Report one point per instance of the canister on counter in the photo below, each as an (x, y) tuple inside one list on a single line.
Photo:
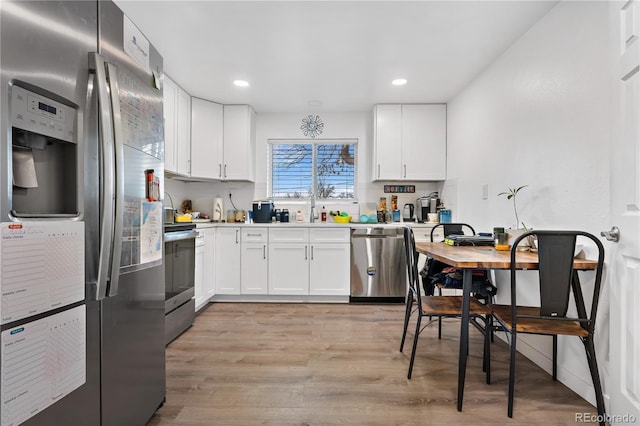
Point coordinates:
[(396, 215), (382, 204), (380, 215), (445, 216), (284, 216), (394, 203)]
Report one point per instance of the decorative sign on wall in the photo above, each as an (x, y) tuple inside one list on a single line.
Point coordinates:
[(399, 188), (312, 126)]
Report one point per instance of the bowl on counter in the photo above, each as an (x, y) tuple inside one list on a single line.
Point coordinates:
[(342, 219)]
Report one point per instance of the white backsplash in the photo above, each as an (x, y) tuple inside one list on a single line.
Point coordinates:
[(202, 195)]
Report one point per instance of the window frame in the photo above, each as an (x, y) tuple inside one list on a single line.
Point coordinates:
[(314, 180)]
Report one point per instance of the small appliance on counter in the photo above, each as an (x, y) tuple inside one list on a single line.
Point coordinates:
[(426, 205), (407, 213), (218, 209), (262, 211)]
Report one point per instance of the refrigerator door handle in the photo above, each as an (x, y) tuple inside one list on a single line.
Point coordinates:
[(114, 92), (107, 188)]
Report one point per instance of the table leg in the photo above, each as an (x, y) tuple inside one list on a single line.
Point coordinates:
[(464, 334)]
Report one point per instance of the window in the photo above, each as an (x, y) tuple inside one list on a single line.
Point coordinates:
[(322, 168)]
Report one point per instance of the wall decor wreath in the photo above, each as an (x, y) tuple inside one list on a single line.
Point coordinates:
[(312, 126)]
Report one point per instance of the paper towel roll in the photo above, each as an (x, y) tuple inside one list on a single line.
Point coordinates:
[(218, 210)]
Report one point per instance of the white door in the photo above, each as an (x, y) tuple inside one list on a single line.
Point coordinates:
[(200, 293), (253, 278), (206, 139), (169, 101), (289, 268), (388, 142), (329, 271), (424, 142), (623, 385), (183, 126), (227, 266)]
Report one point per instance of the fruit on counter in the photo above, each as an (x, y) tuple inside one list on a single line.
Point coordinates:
[(338, 213)]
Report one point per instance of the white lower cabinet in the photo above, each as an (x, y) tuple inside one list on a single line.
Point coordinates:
[(288, 268), (210, 259), (254, 261), (204, 271), (309, 262), (227, 263), (329, 269), (199, 278)]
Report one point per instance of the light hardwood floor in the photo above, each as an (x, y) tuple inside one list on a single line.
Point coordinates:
[(300, 364)]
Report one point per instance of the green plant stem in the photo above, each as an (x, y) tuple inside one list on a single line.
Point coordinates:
[(515, 210)]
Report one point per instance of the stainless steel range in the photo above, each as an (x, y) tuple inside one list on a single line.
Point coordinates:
[(180, 258)]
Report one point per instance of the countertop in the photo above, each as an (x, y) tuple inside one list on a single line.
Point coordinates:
[(201, 224)]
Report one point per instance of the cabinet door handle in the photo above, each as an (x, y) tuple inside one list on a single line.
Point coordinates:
[(236, 236), (254, 235), (219, 170), (378, 170), (405, 170), (264, 252), (311, 252), (305, 252), (225, 170)]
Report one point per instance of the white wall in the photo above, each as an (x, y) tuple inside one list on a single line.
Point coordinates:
[(287, 126), (537, 116)]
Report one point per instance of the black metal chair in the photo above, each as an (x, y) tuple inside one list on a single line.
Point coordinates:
[(557, 279), (436, 306), (436, 267)]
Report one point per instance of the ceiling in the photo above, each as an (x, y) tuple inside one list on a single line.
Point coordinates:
[(341, 54)]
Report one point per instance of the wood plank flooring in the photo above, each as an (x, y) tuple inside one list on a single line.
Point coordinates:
[(304, 364)]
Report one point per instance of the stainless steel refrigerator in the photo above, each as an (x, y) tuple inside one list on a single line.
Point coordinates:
[(81, 170)]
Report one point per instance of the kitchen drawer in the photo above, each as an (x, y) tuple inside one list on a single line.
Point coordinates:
[(329, 235), (254, 235), (289, 235), (422, 233)]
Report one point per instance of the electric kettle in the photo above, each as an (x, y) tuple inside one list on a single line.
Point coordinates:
[(407, 213)]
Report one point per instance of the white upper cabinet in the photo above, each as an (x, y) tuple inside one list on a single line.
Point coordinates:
[(206, 139), (239, 143), (177, 128), (169, 100), (387, 135), (410, 142)]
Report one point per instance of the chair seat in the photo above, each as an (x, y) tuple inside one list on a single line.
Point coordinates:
[(537, 325), (451, 305)]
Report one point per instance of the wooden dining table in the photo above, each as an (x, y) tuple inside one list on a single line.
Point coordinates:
[(468, 258)]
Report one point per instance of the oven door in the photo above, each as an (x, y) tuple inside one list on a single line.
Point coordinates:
[(180, 260)]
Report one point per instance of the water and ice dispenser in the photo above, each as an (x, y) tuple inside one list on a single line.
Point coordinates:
[(44, 156)]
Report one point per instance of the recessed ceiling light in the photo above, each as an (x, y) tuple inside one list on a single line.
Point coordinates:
[(399, 82), (241, 83)]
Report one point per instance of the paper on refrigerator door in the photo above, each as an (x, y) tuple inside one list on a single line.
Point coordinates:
[(42, 362), (41, 267)]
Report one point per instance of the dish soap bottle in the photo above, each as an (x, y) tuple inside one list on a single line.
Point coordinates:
[(323, 215)]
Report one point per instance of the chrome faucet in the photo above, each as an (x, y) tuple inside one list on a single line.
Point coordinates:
[(313, 214)]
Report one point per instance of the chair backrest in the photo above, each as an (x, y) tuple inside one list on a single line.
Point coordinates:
[(412, 263), (556, 251), (453, 229)]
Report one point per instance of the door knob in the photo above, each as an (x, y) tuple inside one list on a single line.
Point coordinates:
[(613, 235)]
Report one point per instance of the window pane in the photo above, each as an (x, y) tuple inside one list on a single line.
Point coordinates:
[(335, 171), (291, 170)]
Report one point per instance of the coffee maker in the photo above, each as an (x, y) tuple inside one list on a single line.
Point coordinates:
[(426, 205)]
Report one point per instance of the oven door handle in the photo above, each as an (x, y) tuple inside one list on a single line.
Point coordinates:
[(179, 235)]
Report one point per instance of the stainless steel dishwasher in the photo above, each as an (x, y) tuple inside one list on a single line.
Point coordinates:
[(378, 265)]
